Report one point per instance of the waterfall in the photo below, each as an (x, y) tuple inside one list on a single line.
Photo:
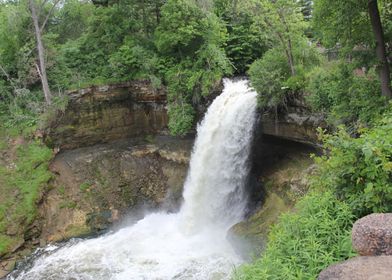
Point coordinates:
[(190, 244)]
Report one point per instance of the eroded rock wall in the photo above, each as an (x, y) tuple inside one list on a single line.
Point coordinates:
[(102, 114), (99, 185), (296, 123)]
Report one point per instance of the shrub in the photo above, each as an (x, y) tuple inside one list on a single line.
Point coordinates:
[(359, 170), (180, 118), (303, 243), (192, 42), (271, 76), (347, 98), (268, 75)]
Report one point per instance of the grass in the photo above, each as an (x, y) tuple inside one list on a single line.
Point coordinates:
[(84, 186), (24, 174), (304, 242)]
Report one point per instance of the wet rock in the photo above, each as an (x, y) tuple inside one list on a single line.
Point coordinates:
[(255, 229), (6, 267), (360, 268), (99, 221), (17, 244), (97, 186), (372, 235)]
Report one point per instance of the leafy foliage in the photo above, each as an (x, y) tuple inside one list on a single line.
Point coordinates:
[(346, 97), (27, 178), (342, 22), (245, 42), (192, 41), (271, 76), (181, 118), (304, 242), (359, 170)]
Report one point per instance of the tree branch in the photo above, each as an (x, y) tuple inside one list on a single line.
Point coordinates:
[(41, 7), (9, 79), (5, 73), (49, 14), (38, 70)]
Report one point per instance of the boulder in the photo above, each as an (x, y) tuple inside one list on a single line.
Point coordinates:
[(372, 235), (360, 268)]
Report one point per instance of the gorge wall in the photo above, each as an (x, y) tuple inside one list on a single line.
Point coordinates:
[(115, 158), (101, 114), (99, 185), (297, 123)]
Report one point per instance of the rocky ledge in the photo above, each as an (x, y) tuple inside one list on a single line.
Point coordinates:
[(372, 239), (101, 114), (295, 122)]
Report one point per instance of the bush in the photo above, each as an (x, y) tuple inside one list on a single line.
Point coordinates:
[(23, 110), (132, 61), (192, 42), (305, 242), (271, 76), (268, 75), (180, 118), (347, 98), (359, 170)]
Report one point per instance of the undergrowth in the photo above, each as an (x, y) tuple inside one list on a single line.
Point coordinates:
[(23, 175), (304, 242)]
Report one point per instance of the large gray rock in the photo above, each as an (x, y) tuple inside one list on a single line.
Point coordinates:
[(299, 125), (372, 235), (360, 268)]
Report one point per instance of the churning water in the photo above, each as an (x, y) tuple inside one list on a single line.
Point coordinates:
[(192, 243)]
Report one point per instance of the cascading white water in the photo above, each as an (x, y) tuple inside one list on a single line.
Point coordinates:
[(190, 244)]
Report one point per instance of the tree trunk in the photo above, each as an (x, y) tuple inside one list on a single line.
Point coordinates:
[(41, 54), (291, 57), (289, 50), (380, 48)]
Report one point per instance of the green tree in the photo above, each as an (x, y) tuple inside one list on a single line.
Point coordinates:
[(284, 23), (246, 42), (191, 40), (354, 24), (359, 170)]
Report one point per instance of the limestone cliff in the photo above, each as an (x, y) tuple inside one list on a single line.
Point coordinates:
[(101, 114), (99, 185), (296, 123)]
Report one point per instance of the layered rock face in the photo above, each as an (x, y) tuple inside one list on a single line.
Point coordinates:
[(371, 236), (297, 123), (99, 185), (102, 114)]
